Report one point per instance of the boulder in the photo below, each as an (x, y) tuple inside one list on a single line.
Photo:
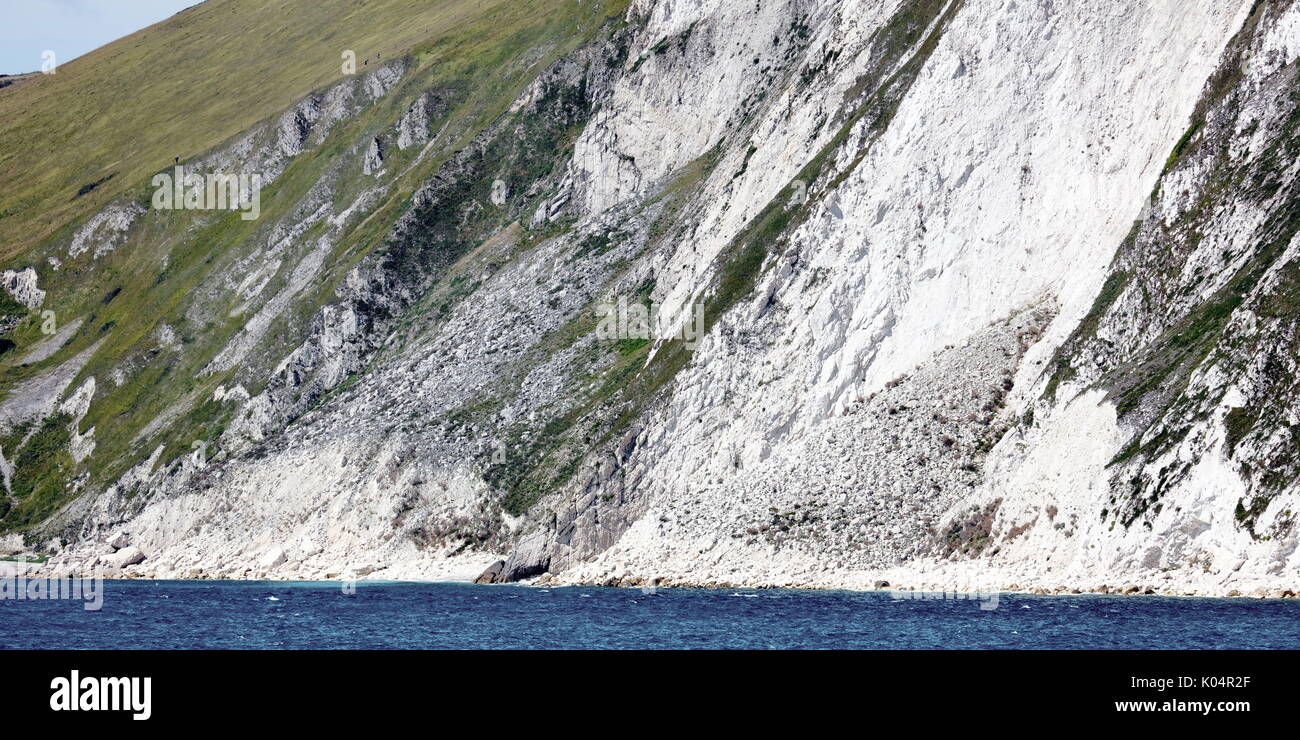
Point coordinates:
[(532, 557), (500, 192), (490, 575), (273, 557), (119, 540), (129, 555)]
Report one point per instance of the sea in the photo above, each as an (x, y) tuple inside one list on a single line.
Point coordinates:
[(140, 614)]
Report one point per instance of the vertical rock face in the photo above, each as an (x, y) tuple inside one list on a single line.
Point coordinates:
[(22, 286), (374, 161), (413, 129), (1189, 346), (953, 293)]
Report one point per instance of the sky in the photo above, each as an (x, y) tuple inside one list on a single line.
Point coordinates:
[(70, 28)]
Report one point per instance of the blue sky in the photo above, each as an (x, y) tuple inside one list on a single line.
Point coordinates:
[(71, 28)]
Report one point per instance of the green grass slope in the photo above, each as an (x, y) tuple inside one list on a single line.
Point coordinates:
[(184, 85)]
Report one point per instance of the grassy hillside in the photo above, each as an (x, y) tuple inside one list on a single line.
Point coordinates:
[(190, 82), (148, 318)]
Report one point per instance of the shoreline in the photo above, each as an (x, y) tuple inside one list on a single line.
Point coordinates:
[(923, 580), (549, 580), (967, 593)]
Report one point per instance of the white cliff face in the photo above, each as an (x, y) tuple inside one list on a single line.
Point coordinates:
[(331, 511), (937, 194), (956, 216), (1014, 167), (1195, 484)]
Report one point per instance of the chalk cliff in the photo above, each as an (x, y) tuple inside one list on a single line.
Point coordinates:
[(956, 294)]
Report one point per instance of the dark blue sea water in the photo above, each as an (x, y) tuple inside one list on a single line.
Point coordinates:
[(205, 614)]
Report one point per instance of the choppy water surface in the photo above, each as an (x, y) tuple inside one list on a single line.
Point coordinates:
[(232, 614)]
